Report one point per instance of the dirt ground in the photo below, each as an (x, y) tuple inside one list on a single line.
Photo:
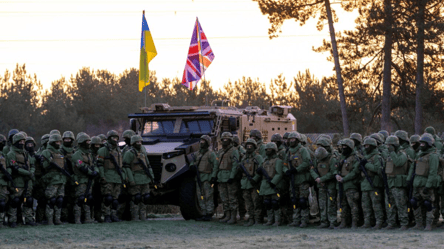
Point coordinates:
[(174, 232)]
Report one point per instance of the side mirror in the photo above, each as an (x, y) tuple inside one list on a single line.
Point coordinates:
[(133, 124)]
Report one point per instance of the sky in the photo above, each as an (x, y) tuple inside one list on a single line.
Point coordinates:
[(56, 38)]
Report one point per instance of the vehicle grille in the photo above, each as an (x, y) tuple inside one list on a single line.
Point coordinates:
[(156, 164)]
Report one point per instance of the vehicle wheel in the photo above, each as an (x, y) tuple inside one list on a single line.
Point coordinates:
[(188, 202)]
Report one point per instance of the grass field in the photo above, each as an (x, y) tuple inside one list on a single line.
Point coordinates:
[(173, 232)]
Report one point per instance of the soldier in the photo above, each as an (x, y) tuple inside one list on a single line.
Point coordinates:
[(127, 134), (96, 144), (414, 141), (67, 150), (103, 137), (285, 205), (323, 173), (425, 182), (52, 132), (249, 186), (8, 145), (396, 168), (372, 201), (379, 138), (284, 139), (127, 138), (257, 136), (404, 143), (228, 163), (277, 139), (110, 167), (304, 143), (357, 139), (347, 174), (85, 171), (240, 199), (39, 185), (23, 173), (4, 193), (55, 179), (298, 163), (438, 143), (384, 133), (271, 173), (139, 174), (207, 165)]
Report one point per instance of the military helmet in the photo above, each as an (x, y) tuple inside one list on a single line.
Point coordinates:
[(82, 138), (44, 139), (376, 137), (79, 134), (348, 142), (24, 133), (55, 138), (236, 139), (12, 132), (414, 139), (430, 130), (256, 133), (17, 137), (30, 139), (251, 141), (96, 140), (55, 132), (136, 138), (2, 138), (304, 138), (323, 142), (384, 133), (227, 135), (356, 136), (296, 135), (339, 142), (271, 145), (427, 138), (321, 153), (393, 140), (102, 136), (402, 135), (112, 133), (286, 135), (206, 138), (325, 136), (370, 141), (68, 134), (276, 138), (128, 134)]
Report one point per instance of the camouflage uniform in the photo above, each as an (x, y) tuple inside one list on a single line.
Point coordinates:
[(285, 205), (22, 168), (97, 196), (324, 170), (8, 145), (67, 150), (4, 193), (240, 199), (111, 177), (250, 189), (135, 162), (228, 158), (39, 186)]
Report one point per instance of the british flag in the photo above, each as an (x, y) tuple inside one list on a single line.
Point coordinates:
[(199, 58)]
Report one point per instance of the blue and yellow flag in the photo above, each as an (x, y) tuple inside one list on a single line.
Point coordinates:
[(147, 53)]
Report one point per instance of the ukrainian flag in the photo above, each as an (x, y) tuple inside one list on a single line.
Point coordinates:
[(147, 53)]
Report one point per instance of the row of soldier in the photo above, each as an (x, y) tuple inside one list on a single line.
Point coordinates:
[(63, 173), (381, 181)]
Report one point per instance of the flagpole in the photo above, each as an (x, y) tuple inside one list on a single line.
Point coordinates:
[(148, 66), (200, 58)]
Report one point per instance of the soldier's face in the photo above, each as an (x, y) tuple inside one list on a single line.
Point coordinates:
[(269, 152), (226, 142), (22, 142), (293, 142), (29, 145), (67, 140), (249, 148)]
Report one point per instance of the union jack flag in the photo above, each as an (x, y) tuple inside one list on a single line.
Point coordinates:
[(199, 58)]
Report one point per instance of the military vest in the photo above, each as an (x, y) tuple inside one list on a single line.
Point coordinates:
[(296, 158), (422, 165), (58, 159), (393, 171), (370, 160), (225, 162), (109, 162), (324, 167), (136, 164), (270, 166), (21, 160), (250, 166), (348, 165), (204, 164), (87, 160)]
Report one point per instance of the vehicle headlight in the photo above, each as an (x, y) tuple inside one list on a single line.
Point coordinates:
[(170, 167), (172, 154)]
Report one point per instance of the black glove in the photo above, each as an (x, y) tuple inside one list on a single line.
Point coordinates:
[(213, 180), (230, 181), (425, 191), (272, 185)]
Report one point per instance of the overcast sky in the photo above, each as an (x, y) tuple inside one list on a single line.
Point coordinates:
[(56, 38)]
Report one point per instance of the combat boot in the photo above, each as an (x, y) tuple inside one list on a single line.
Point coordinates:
[(332, 226), (108, 219), (342, 225), (114, 218), (227, 217), (57, 221), (295, 223), (250, 222), (135, 215), (367, 224), (207, 217), (258, 222), (88, 220), (303, 224), (403, 228), (417, 227), (77, 219), (142, 214), (233, 217), (13, 225), (354, 224), (270, 218), (50, 221), (200, 218), (428, 227), (377, 226), (389, 227), (277, 218), (323, 225)]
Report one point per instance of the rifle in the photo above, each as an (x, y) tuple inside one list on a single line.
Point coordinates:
[(66, 173), (410, 185), (199, 182), (8, 177), (341, 186), (145, 168), (118, 169), (384, 179), (293, 191), (364, 170), (263, 172), (250, 178)]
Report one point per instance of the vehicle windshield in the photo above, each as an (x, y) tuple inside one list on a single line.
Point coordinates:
[(169, 127)]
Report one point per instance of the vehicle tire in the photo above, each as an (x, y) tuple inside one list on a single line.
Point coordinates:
[(188, 202)]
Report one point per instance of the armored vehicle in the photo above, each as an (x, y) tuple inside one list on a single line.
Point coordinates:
[(171, 136)]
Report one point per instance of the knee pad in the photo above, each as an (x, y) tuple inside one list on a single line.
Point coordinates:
[(303, 203), (146, 199), (2, 206), (80, 200), (115, 204), (15, 202), (137, 199), (52, 202), (414, 203), (275, 204), (29, 202), (59, 202), (267, 204), (107, 200), (90, 200), (428, 205)]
